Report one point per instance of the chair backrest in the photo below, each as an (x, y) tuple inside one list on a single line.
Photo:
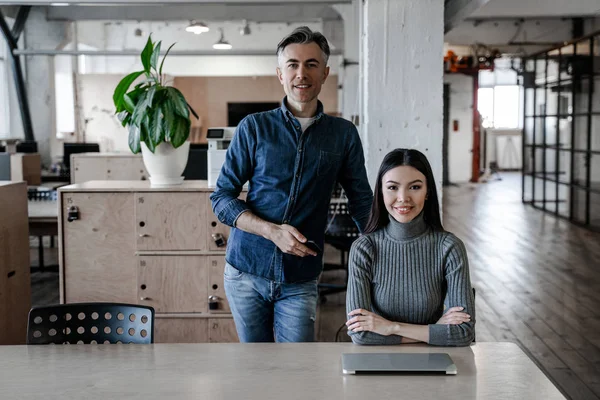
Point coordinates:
[(85, 323), (339, 221)]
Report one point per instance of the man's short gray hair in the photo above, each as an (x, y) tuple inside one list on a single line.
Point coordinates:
[(303, 35)]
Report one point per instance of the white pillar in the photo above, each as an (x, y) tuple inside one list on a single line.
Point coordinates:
[(42, 34), (403, 80), (348, 76)]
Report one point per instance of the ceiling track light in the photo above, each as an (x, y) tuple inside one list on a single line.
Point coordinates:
[(197, 28), (222, 44)]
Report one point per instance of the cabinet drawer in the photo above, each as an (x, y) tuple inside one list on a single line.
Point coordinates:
[(171, 221), (99, 263), (216, 266), (173, 283), (222, 330), (180, 330), (126, 168), (86, 168)]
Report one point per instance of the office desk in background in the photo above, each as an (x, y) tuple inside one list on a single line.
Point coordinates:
[(43, 221), (273, 371)]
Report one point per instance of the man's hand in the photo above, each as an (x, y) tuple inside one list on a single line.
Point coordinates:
[(363, 320), (454, 316), (289, 240)]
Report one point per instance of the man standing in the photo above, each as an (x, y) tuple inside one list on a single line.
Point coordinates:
[(292, 157)]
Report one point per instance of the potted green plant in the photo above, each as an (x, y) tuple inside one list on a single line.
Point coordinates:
[(157, 117)]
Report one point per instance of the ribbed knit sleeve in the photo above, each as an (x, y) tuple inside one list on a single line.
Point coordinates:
[(459, 294), (358, 294)]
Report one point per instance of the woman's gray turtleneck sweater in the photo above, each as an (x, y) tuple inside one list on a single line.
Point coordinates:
[(411, 273)]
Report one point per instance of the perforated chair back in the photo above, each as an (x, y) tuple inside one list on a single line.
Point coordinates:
[(85, 323), (341, 230)]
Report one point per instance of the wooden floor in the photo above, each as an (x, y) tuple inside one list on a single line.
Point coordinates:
[(537, 280)]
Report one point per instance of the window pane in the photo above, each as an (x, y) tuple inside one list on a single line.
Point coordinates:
[(3, 100), (485, 106), (506, 106)]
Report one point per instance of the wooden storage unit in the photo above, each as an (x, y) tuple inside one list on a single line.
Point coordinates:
[(21, 167), (129, 242), (15, 283), (107, 167)]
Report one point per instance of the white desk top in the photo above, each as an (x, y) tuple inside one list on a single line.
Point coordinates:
[(136, 186), (258, 371), (42, 209)]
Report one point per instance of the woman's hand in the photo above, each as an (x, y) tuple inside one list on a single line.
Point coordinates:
[(363, 320), (454, 316)]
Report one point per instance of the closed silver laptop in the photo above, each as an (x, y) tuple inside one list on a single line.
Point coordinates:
[(355, 363)]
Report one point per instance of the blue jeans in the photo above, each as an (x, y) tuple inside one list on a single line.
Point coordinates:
[(267, 311)]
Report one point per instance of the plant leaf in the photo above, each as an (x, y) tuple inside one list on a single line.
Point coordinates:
[(155, 127), (192, 110), (134, 138), (122, 88), (150, 96), (128, 103), (155, 55), (179, 104), (140, 110), (181, 131), (168, 118), (124, 117), (163, 60), (147, 55)]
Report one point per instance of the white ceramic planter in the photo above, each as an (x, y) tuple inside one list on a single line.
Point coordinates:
[(166, 164)]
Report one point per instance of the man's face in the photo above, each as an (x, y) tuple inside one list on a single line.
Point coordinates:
[(302, 72)]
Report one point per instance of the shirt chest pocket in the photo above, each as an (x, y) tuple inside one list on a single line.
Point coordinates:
[(328, 163)]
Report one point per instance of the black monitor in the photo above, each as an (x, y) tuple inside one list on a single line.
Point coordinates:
[(2, 149), (197, 167), (74, 148), (238, 111), (27, 147)]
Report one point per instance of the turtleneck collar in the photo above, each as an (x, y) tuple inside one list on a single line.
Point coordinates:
[(406, 231)]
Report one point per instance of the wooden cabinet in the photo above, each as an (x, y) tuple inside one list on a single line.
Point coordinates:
[(15, 283), (181, 330), (173, 284), (126, 241), (97, 248), (107, 166), (171, 221)]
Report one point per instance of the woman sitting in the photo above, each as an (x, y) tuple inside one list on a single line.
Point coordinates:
[(408, 278)]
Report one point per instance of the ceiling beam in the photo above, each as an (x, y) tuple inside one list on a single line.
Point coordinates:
[(162, 2), (528, 18), (202, 12), (120, 53), (456, 11)]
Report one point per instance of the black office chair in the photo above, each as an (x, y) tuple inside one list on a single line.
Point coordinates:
[(91, 323), (341, 232)]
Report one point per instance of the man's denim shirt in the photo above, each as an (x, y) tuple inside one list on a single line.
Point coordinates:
[(291, 176)]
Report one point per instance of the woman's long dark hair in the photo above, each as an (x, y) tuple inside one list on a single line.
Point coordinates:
[(396, 158)]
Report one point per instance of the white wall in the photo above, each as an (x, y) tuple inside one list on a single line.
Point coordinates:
[(460, 143), (98, 112)]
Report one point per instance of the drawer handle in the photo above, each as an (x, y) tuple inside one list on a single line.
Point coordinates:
[(144, 235), (11, 274), (213, 302), (146, 298)]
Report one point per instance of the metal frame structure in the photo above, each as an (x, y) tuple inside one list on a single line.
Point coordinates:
[(561, 119)]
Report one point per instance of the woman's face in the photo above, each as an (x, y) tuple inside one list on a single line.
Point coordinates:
[(404, 192)]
